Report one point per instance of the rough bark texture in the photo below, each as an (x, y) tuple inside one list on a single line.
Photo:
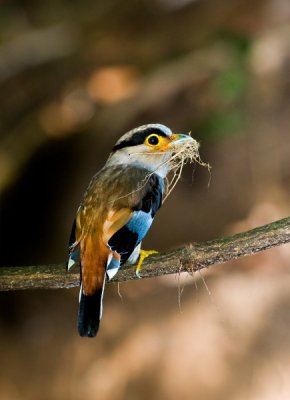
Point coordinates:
[(190, 258)]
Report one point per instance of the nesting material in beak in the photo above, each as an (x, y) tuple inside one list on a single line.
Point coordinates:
[(185, 152)]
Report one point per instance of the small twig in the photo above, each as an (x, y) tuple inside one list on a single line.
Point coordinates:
[(190, 258)]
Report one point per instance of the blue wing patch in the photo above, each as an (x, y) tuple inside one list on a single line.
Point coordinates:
[(140, 223)]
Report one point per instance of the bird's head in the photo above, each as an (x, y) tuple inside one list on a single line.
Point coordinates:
[(152, 147)]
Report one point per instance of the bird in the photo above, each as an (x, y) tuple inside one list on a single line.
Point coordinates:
[(116, 213)]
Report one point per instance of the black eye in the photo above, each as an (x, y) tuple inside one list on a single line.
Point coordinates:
[(153, 140)]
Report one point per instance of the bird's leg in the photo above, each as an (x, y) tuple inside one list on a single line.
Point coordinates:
[(142, 255)]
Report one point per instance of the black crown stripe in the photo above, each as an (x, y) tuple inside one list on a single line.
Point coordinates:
[(138, 138)]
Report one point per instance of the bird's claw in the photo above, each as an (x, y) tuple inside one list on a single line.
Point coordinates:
[(142, 255)]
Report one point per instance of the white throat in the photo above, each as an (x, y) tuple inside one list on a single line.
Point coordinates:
[(156, 163)]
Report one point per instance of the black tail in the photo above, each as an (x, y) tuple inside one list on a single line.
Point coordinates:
[(90, 313)]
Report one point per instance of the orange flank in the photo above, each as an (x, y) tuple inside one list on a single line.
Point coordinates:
[(94, 256)]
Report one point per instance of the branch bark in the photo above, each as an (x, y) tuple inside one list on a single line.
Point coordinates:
[(190, 258)]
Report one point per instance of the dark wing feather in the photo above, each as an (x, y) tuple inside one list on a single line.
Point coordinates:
[(152, 199), (72, 238)]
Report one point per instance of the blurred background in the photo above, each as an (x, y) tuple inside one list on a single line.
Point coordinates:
[(75, 76)]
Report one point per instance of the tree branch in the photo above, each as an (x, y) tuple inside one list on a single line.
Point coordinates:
[(190, 258)]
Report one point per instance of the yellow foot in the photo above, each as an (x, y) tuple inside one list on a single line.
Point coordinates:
[(142, 255)]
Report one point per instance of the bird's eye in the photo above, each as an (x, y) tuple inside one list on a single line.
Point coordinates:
[(153, 140)]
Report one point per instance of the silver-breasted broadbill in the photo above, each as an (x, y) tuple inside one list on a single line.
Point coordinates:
[(117, 211)]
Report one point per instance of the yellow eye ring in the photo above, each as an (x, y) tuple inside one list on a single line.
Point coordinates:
[(152, 140)]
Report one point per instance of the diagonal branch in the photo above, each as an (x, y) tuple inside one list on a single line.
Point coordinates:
[(189, 258)]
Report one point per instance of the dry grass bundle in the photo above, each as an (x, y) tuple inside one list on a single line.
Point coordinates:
[(186, 153)]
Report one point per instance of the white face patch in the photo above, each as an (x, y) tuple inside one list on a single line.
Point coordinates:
[(131, 149), (143, 157)]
